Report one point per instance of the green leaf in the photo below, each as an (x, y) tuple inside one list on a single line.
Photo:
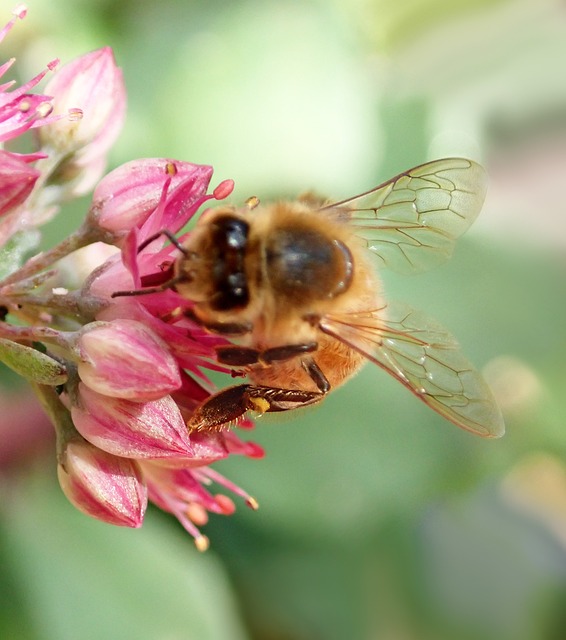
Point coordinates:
[(32, 364)]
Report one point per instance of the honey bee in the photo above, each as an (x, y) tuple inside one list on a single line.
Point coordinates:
[(296, 283)]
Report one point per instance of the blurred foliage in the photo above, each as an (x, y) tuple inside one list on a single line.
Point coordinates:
[(378, 520)]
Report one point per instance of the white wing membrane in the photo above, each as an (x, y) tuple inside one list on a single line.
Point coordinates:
[(426, 359), (411, 221)]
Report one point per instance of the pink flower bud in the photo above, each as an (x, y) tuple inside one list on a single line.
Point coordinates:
[(90, 89), (127, 196), (16, 181), (132, 429), (92, 83), (101, 485), (125, 359)]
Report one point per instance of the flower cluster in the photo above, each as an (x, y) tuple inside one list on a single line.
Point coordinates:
[(119, 377)]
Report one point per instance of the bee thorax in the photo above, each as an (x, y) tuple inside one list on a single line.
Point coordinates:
[(304, 264)]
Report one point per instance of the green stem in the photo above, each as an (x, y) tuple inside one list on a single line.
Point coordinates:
[(84, 236), (38, 334), (73, 304), (58, 414)]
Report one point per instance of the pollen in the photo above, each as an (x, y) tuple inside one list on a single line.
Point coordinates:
[(75, 114), (252, 503), (252, 202), (202, 543), (259, 405)]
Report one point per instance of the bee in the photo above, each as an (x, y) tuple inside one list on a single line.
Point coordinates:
[(296, 283)]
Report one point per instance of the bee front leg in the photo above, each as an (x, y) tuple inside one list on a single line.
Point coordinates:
[(220, 328), (237, 356), (228, 405)]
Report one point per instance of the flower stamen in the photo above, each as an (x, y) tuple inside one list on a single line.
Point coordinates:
[(207, 475)]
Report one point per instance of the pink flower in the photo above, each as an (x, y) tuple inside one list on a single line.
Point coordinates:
[(183, 191), (136, 374), (159, 197), (17, 179), (129, 195), (20, 110), (115, 412), (125, 359), (189, 344), (92, 89), (138, 430), (142, 364), (93, 84), (181, 493), (101, 485)]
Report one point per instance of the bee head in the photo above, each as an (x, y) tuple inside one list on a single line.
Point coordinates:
[(211, 269)]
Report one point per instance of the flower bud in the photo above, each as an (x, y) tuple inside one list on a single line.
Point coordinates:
[(17, 179), (125, 359), (127, 196), (101, 485), (132, 429), (93, 84), (89, 100)]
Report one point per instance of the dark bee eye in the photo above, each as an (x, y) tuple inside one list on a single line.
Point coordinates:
[(230, 239), (235, 233)]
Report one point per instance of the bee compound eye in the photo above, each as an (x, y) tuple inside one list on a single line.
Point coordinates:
[(230, 240), (236, 283)]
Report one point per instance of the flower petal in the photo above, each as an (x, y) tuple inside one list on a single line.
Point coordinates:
[(153, 429), (101, 485)]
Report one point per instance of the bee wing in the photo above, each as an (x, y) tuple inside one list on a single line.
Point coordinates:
[(425, 358), (411, 221)]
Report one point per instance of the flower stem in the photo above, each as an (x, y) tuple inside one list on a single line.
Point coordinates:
[(39, 334), (58, 414), (84, 236), (73, 304)]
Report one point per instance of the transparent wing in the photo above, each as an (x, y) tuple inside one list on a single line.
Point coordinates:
[(425, 358), (411, 221)]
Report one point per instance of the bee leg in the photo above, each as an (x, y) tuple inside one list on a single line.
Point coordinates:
[(286, 352), (316, 374), (237, 356), (221, 328), (228, 405)]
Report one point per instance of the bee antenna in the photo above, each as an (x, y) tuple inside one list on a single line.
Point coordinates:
[(142, 292), (172, 239)]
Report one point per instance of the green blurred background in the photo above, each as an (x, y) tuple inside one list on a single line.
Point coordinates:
[(378, 520)]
